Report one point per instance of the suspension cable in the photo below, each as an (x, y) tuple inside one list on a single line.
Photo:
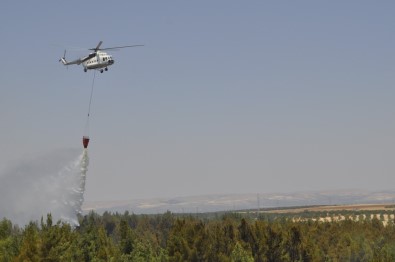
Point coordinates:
[(89, 107), (90, 99)]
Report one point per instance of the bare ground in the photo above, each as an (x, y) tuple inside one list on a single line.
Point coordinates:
[(358, 207)]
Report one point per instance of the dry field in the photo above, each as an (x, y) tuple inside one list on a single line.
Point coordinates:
[(359, 207), (383, 212)]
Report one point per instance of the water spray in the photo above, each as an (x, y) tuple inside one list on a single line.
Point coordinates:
[(52, 183)]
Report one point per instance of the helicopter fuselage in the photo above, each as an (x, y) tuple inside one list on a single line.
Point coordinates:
[(100, 60)]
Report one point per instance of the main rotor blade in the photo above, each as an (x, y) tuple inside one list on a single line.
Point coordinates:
[(97, 47), (118, 47)]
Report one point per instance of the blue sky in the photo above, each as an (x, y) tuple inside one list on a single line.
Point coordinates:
[(225, 96)]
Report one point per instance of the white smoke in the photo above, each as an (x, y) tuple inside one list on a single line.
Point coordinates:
[(53, 183)]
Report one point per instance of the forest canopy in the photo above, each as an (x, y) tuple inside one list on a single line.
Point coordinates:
[(172, 237)]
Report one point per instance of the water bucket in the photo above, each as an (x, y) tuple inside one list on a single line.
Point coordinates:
[(85, 141)]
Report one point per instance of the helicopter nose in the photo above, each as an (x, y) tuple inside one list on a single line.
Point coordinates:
[(111, 61)]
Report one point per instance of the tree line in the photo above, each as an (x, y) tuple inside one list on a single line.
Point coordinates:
[(171, 237)]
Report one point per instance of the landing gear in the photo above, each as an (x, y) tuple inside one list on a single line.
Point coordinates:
[(85, 70), (106, 69), (101, 71)]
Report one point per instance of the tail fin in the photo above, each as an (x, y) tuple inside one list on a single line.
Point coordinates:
[(63, 59)]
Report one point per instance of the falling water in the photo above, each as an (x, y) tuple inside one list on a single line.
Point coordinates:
[(53, 183)]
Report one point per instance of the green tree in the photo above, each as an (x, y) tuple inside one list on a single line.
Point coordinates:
[(274, 243), (55, 240), (92, 242), (30, 248), (9, 247), (127, 238), (239, 254), (294, 243)]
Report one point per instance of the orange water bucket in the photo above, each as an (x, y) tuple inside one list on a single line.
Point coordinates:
[(85, 141)]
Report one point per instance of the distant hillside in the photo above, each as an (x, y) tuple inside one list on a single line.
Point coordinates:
[(225, 202)]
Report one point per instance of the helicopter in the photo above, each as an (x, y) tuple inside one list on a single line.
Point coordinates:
[(98, 59)]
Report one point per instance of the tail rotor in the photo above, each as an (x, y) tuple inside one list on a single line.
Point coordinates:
[(63, 59)]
